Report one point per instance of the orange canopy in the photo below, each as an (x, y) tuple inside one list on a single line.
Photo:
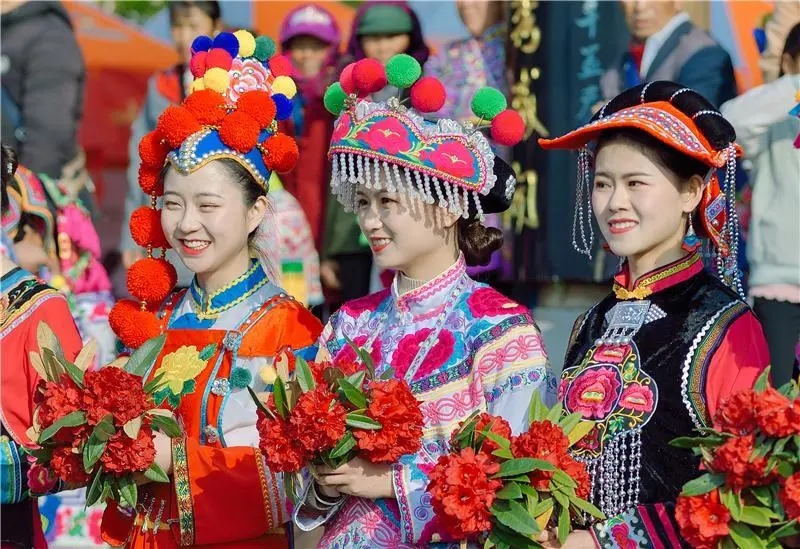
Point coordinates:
[(109, 42)]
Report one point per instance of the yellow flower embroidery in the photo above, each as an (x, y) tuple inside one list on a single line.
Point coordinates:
[(177, 372)]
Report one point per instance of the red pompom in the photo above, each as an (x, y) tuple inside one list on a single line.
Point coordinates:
[(219, 58), (199, 64), (151, 280), (239, 131), (280, 153), (259, 105), (176, 124), (207, 106), (146, 228), (132, 325), (153, 150), (508, 128), (280, 65), (150, 180), (428, 94), (369, 76), (346, 79)]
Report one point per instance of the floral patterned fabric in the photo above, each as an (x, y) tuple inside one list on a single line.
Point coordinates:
[(488, 356)]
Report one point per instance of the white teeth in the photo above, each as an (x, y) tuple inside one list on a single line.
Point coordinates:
[(623, 225), (196, 244), (381, 241)]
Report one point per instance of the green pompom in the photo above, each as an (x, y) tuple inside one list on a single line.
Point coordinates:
[(265, 48), (241, 378), (402, 71), (334, 98), (488, 103)]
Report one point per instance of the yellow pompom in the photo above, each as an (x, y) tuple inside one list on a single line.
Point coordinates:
[(216, 79), (284, 85), (247, 44), (58, 282), (197, 85), (268, 374)]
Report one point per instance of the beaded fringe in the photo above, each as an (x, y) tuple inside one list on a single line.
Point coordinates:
[(615, 474)]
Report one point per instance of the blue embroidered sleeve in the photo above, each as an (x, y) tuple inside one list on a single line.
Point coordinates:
[(12, 479)]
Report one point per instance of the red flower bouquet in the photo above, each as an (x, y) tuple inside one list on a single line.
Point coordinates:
[(506, 490), (330, 413), (749, 495), (95, 427)]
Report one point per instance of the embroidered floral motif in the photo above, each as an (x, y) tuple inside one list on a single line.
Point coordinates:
[(489, 302), (178, 371), (594, 392), (438, 355)]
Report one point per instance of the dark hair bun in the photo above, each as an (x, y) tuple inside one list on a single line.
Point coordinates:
[(718, 131), (478, 242)]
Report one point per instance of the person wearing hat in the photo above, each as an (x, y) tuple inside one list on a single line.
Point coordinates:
[(421, 189)]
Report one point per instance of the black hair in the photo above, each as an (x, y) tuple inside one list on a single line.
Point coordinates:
[(9, 167), (478, 242), (792, 45), (209, 7)]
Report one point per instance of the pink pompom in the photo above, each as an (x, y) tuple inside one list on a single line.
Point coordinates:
[(198, 64), (369, 76), (508, 128), (219, 58), (346, 79), (428, 94)]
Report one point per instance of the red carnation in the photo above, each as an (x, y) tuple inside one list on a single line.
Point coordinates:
[(114, 391), (56, 399), (544, 440), (462, 493), (124, 455), (317, 421), (176, 124), (577, 472), (734, 459), (789, 496), (736, 414), (703, 519), (68, 466), (281, 452), (497, 425), (775, 415), (207, 106), (392, 404)]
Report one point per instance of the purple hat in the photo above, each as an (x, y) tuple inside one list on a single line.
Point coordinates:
[(313, 20)]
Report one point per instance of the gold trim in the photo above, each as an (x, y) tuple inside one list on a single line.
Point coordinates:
[(183, 491)]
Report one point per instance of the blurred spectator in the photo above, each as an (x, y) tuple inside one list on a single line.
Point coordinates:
[(42, 84), (380, 30), (767, 132), (665, 45), (785, 15), (187, 21), (310, 37)]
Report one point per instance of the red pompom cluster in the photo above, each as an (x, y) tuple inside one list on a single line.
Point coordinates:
[(346, 79), (146, 229), (369, 76), (151, 280), (508, 128), (133, 325), (428, 94), (280, 65), (280, 153), (207, 106)]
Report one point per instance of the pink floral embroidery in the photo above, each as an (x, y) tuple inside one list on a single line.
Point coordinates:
[(490, 302), (612, 354), (451, 157), (621, 535), (590, 441), (245, 76), (347, 354), (594, 392), (41, 479), (387, 134), (368, 303), (93, 522), (408, 348), (562, 389), (341, 129), (637, 397)]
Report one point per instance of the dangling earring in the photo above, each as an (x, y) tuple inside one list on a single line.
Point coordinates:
[(690, 242)]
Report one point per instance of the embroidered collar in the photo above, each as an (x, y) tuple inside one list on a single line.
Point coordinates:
[(657, 280), (211, 305), (432, 295)]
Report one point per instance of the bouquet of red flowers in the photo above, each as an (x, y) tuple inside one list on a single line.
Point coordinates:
[(749, 496), (330, 413), (506, 489), (95, 427)]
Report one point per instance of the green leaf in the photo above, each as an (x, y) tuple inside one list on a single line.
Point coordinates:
[(51, 362), (387, 374), (569, 422), (703, 484), (791, 528), (693, 442), (757, 516), (156, 473), (519, 466), (75, 373), (501, 441), (762, 495), (70, 420), (105, 429), (529, 490), (563, 523), (733, 502), (363, 356), (208, 351), (514, 516), (353, 394), (560, 477), (132, 427), (503, 454), (358, 421), (304, 376), (586, 507), (503, 536), (762, 382), (166, 425), (543, 506), (92, 451), (155, 383), (260, 405), (347, 443), (145, 356), (537, 410), (744, 536), (510, 491), (281, 403), (128, 491), (96, 487), (357, 379), (555, 413)]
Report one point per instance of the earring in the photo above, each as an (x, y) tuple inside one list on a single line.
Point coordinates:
[(691, 242)]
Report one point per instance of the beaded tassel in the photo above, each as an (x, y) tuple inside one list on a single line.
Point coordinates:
[(582, 221)]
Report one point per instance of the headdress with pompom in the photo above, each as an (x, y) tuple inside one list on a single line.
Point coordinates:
[(240, 92), (386, 144)]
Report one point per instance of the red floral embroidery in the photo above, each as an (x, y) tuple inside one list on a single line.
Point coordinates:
[(613, 354), (387, 134), (343, 126), (637, 397), (451, 157), (594, 393), (408, 348), (489, 302)]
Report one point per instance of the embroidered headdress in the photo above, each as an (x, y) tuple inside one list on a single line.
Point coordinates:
[(387, 144), (240, 92), (662, 118)]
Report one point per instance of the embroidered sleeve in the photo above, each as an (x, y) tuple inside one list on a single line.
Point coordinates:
[(12, 461)]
